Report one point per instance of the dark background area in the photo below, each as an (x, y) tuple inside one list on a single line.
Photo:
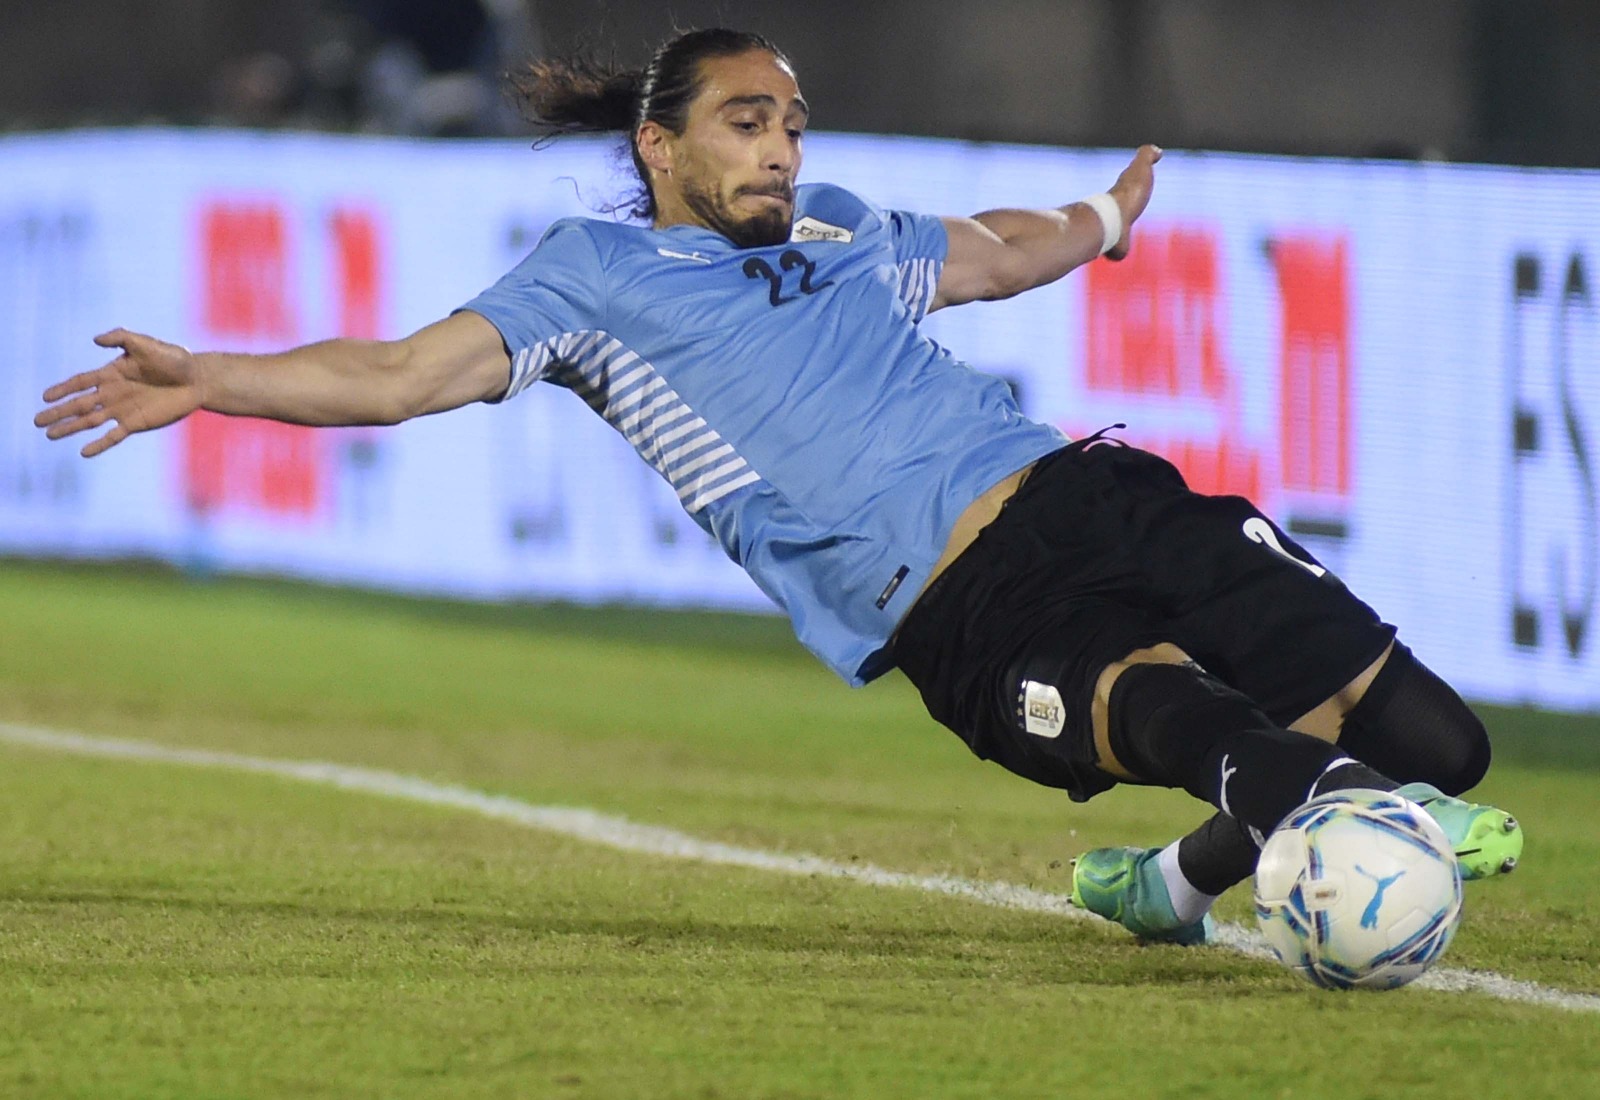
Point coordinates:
[(1514, 81)]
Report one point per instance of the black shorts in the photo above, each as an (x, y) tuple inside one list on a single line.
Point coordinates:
[(1105, 550)]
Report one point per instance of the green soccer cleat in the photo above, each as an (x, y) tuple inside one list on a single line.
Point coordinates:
[(1487, 840), (1125, 885)]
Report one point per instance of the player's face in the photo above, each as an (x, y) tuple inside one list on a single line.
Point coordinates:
[(735, 163)]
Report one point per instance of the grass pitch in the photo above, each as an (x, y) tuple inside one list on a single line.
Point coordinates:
[(174, 932)]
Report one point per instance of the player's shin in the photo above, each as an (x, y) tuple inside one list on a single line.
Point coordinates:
[(1175, 725), (1411, 726)]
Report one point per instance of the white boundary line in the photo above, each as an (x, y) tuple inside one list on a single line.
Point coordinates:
[(628, 836)]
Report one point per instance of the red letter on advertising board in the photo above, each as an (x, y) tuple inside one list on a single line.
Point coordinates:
[(358, 269), (246, 284), (1153, 331), (245, 250), (1153, 318), (1314, 363)]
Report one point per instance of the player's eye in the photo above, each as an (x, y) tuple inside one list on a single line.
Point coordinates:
[(796, 135), (747, 127)]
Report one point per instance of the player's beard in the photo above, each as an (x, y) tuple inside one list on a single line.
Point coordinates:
[(768, 227)]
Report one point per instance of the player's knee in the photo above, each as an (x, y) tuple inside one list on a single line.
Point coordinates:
[(1465, 767), (1412, 725), (1180, 727), (1162, 718)]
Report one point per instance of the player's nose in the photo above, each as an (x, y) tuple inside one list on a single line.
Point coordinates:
[(780, 156)]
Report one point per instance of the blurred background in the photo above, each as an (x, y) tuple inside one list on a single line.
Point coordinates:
[(1510, 81), (1385, 331)]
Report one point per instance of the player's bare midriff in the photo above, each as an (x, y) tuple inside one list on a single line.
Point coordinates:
[(977, 515)]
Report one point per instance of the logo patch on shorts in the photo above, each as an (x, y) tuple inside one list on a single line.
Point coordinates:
[(1041, 710)]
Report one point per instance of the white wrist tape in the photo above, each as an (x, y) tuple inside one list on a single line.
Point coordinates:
[(1110, 218)]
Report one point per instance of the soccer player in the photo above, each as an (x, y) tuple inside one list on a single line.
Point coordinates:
[(1071, 610)]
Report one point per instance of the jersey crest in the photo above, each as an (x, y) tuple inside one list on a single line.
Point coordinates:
[(812, 229)]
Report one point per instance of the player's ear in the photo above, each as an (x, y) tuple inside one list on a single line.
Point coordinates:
[(655, 145)]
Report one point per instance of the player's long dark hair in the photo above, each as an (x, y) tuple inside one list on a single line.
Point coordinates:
[(581, 94)]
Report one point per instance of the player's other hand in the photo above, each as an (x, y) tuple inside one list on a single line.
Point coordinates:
[(150, 385), (1132, 192)]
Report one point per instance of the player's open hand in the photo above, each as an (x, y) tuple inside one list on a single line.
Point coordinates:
[(1132, 192), (150, 385)]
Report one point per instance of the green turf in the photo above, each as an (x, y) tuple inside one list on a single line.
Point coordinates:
[(175, 932)]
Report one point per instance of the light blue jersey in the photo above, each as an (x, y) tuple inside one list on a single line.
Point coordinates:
[(786, 394)]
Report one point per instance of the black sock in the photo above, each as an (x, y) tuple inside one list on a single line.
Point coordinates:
[(1409, 725), (1219, 854), (1345, 774), (1178, 726), (1222, 853)]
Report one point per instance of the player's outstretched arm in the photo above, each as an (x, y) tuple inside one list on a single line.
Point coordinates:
[(153, 383), (1001, 253)]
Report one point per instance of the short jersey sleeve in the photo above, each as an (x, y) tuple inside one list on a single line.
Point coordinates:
[(547, 303), (920, 246)]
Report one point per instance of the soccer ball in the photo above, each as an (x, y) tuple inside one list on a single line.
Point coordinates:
[(1358, 889)]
